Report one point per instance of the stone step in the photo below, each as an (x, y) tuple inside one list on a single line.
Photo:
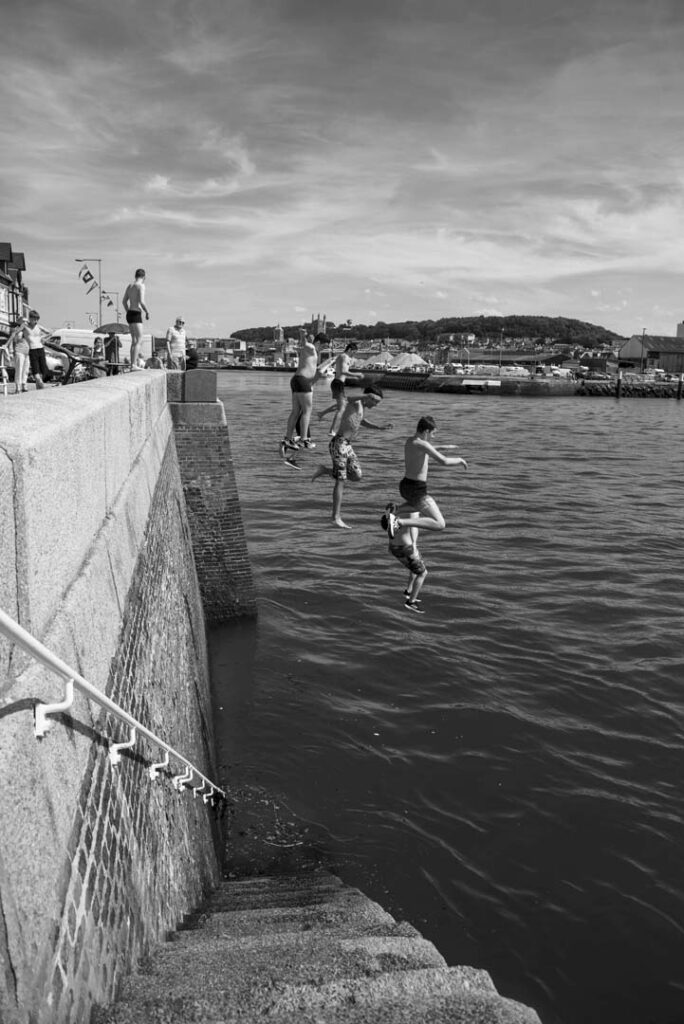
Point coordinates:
[(240, 899), (425, 996), (435, 995), (222, 926), (299, 880), (356, 913), (248, 965)]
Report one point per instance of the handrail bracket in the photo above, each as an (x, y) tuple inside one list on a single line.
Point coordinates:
[(42, 723), (116, 748)]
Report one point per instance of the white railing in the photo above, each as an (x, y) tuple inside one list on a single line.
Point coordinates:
[(18, 635)]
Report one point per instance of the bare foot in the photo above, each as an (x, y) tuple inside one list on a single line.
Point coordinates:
[(321, 471), (320, 416), (340, 522)]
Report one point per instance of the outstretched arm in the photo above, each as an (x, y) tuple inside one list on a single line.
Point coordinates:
[(434, 453), (376, 426)]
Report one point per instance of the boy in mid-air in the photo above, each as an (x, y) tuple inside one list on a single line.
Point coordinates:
[(345, 464), (418, 451), (404, 546)]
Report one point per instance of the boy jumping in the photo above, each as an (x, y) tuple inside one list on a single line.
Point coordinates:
[(404, 546), (418, 451)]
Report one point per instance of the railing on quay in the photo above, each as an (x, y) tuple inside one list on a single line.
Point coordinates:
[(18, 635)]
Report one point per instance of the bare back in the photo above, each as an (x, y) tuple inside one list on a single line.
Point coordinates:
[(342, 366), (134, 296)]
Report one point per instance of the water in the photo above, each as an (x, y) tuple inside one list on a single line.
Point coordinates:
[(505, 771)]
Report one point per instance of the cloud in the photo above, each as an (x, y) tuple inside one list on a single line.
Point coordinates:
[(439, 151)]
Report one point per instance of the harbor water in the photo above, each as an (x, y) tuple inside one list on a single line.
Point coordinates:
[(506, 771)]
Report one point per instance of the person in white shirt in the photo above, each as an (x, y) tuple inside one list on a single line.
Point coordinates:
[(175, 345), (18, 347), (34, 338)]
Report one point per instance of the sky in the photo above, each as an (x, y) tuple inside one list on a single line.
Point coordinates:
[(269, 160)]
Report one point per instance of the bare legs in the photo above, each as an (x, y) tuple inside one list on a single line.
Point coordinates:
[(302, 404), (136, 337), (338, 408), (338, 491), (428, 518)]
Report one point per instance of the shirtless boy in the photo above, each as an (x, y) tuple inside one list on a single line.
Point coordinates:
[(345, 465), (404, 546), (134, 304), (418, 451), (342, 372)]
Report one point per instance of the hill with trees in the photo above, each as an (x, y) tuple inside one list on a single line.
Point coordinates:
[(539, 329)]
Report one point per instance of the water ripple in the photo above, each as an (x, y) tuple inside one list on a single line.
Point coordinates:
[(505, 771)]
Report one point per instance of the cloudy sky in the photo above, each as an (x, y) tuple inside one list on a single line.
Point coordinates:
[(372, 159)]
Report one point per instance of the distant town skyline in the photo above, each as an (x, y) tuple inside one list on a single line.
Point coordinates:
[(403, 160)]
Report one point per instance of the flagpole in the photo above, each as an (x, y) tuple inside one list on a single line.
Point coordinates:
[(108, 295)]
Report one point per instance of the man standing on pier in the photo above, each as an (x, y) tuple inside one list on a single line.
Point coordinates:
[(134, 304), (176, 345)]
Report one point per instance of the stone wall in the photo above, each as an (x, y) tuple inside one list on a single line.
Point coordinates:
[(211, 497), (96, 862)]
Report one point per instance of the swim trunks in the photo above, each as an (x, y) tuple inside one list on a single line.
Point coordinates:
[(409, 555), (413, 491), (345, 464), (134, 316), (337, 388), (300, 385)]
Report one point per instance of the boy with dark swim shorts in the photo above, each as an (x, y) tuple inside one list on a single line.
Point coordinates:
[(404, 547), (418, 451)]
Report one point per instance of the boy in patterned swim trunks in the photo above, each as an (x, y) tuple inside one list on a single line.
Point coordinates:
[(345, 465), (404, 546)]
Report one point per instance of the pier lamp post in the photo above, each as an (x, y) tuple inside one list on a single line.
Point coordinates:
[(643, 339), (95, 259)]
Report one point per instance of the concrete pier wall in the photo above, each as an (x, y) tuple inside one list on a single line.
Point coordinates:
[(97, 862)]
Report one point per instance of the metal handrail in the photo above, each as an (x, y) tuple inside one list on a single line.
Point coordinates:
[(17, 634)]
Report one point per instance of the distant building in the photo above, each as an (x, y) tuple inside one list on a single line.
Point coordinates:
[(318, 323), (680, 330), (14, 296), (653, 352)]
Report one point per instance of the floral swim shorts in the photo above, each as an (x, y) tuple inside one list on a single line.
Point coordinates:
[(345, 465), (409, 555)]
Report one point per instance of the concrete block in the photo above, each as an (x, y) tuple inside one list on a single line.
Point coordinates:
[(200, 386), (175, 386), (198, 414)]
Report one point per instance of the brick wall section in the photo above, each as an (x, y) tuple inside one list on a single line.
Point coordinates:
[(214, 513), (139, 855)]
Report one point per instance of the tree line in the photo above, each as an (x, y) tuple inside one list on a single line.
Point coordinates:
[(539, 329)]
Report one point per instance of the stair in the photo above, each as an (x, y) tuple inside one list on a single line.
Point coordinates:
[(304, 949)]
